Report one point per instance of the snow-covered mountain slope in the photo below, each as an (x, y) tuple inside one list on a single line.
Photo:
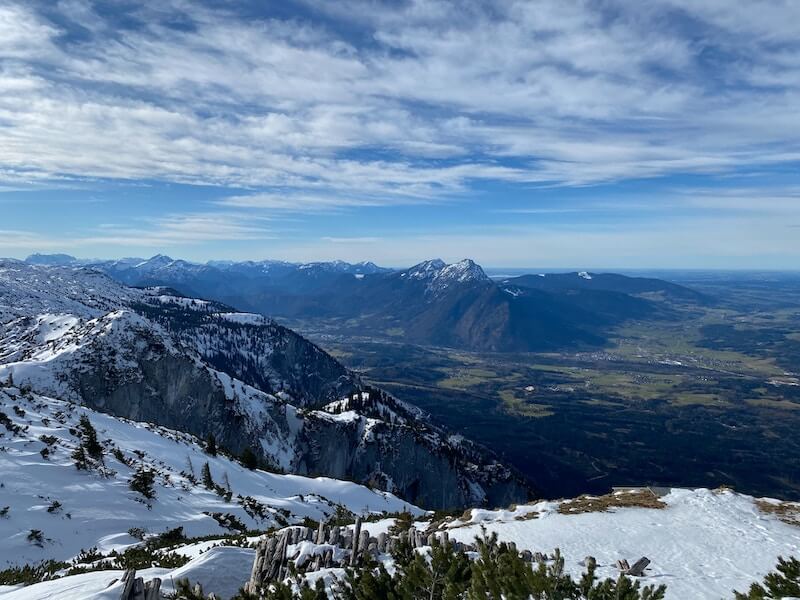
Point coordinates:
[(41, 488), (27, 290), (427, 269), (199, 367), (438, 275), (160, 269), (433, 303), (702, 544), (462, 273)]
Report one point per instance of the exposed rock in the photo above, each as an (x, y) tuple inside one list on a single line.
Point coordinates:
[(202, 368)]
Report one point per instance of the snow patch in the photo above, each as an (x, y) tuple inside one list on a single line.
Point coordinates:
[(679, 539)]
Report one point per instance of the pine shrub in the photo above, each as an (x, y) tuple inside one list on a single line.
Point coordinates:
[(499, 573), (205, 476), (88, 436), (249, 459), (80, 458), (36, 537), (185, 591), (142, 482), (784, 582), (29, 574)]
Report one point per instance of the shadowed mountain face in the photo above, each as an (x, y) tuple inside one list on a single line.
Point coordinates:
[(431, 303), (607, 282)]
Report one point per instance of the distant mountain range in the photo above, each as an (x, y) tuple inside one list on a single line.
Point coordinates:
[(74, 334), (432, 303)]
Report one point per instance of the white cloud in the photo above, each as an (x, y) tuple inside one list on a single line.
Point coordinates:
[(12, 240), (177, 230), (443, 95), (22, 34), (775, 202)]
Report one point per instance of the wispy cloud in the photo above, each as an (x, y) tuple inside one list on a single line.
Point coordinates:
[(176, 230), (572, 93), (12, 240), (765, 201), (295, 202)]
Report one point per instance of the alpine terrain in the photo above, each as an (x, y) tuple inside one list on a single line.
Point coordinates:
[(399, 300), (454, 305), (199, 367)]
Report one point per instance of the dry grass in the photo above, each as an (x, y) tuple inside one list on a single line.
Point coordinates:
[(642, 498), (788, 512), (529, 516), (447, 523)]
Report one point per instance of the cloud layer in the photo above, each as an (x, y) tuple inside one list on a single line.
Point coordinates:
[(360, 103), (413, 100)]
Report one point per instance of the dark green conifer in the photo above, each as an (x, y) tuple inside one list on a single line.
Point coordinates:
[(368, 584), (249, 459), (205, 476), (79, 456), (88, 436), (784, 582), (211, 444), (446, 576), (142, 481)]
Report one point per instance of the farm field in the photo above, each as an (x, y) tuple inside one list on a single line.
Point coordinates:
[(712, 398)]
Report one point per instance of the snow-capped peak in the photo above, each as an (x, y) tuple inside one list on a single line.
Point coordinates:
[(425, 269), (367, 267), (440, 275), (465, 270), (155, 262), (584, 275)]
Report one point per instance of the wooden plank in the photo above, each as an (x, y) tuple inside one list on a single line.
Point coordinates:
[(637, 570)]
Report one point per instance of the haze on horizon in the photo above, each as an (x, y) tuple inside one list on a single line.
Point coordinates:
[(548, 134)]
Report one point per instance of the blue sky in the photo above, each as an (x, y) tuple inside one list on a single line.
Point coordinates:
[(602, 134)]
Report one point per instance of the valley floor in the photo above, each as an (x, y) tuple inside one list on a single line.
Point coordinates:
[(708, 401)]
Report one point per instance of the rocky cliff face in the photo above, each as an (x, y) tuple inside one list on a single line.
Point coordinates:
[(201, 368), (378, 439), (254, 350)]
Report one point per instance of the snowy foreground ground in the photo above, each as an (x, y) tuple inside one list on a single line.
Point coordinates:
[(96, 508), (703, 544), (220, 570)]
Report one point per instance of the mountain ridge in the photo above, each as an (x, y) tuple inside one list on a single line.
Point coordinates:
[(433, 303), (198, 366)]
